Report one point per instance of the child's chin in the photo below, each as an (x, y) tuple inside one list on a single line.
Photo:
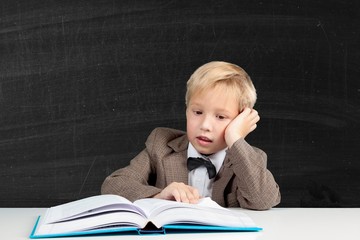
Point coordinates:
[(204, 151)]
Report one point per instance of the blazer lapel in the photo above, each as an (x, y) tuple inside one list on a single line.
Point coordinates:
[(175, 163), (176, 170), (221, 181)]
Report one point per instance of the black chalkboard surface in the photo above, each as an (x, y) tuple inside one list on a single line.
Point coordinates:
[(82, 84)]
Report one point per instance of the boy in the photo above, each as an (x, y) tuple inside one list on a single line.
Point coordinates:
[(219, 112)]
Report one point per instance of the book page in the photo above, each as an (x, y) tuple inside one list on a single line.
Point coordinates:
[(113, 219), (208, 217), (208, 202), (153, 206), (206, 212), (89, 206)]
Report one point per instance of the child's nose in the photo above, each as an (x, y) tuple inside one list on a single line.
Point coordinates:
[(206, 124)]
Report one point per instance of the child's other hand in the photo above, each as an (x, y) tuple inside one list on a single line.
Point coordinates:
[(241, 126), (179, 192)]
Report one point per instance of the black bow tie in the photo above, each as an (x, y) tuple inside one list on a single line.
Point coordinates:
[(193, 163)]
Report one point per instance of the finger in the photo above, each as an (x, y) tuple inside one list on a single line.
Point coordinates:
[(246, 112), (177, 195), (253, 127), (255, 119), (254, 116), (184, 196), (194, 195), (253, 111)]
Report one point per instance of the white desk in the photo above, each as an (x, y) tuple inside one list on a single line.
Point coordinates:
[(278, 224)]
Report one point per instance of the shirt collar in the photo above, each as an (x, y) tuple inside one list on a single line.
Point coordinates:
[(217, 158)]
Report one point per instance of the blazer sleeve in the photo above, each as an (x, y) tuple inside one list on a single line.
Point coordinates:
[(132, 181), (256, 186)]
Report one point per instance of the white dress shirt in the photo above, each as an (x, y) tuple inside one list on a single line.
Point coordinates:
[(199, 177)]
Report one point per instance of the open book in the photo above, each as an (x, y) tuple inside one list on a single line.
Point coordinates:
[(114, 214)]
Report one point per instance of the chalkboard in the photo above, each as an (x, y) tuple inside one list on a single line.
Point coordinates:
[(82, 84)]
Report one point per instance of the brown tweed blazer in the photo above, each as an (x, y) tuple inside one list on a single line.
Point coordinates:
[(243, 180)]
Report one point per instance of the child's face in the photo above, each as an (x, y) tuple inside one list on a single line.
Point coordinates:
[(208, 115)]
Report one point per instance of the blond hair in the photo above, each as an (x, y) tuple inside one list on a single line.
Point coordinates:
[(228, 76)]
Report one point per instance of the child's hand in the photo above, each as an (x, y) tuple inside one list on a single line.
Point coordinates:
[(241, 126), (179, 192)]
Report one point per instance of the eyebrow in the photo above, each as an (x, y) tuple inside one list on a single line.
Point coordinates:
[(221, 110)]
